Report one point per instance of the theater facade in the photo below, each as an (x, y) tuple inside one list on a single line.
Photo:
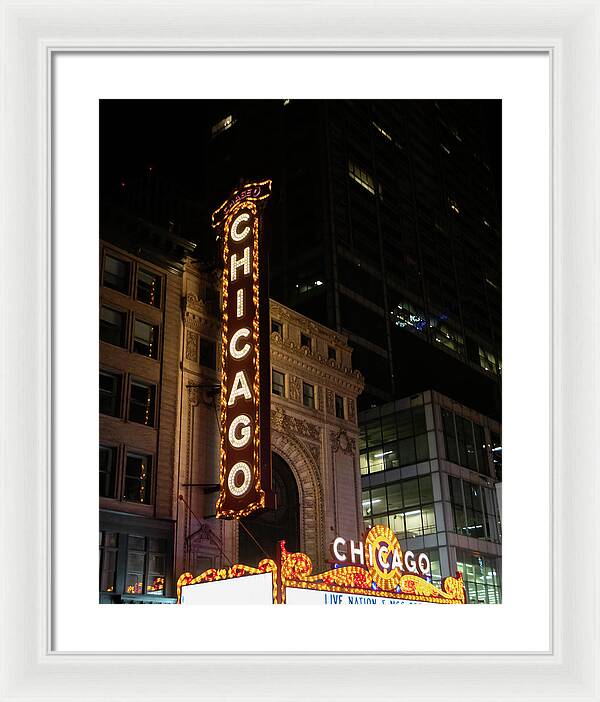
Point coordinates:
[(160, 393)]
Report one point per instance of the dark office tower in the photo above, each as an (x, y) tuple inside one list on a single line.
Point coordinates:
[(386, 226)]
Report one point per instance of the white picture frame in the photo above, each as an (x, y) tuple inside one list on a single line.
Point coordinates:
[(568, 30)]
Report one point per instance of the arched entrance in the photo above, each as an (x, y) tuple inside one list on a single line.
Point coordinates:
[(271, 526)]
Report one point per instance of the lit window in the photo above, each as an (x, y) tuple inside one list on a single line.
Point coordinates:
[(109, 548), (110, 394), (361, 177), (145, 339), (497, 454), (112, 326), (339, 407), (148, 288), (308, 395), (406, 314), (308, 285), (141, 403), (278, 383), (223, 125), (145, 566), (138, 478), (487, 361), (447, 337), (382, 131), (116, 274)]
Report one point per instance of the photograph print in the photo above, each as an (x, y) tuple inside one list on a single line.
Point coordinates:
[(300, 352)]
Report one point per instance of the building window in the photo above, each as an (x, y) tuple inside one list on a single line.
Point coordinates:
[(138, 478), (308, 395), (361, 177), (145, 566), (145, 339), (148, 288), (116, 274), (278, 383), (447, 337), (108, 461), (394, 440), (339, 407), (109, 549), (465, 442), (277, 327), (110, 394), (382, 131), (208, 353), (497, 454), (407, 507), (487, 361), (305, 340), (480, 576), (223, 125), (142, 400), (474, 510), (332, 353), (112, 326)]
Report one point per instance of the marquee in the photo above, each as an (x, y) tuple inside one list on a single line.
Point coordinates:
[(378, 581)]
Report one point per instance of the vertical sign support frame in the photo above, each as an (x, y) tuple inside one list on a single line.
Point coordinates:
[(245, 449)]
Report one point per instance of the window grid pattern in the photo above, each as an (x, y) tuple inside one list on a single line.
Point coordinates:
[(145, 566), (405, 506), (148, 288), (109, 549), (142, 399), (360, 176), (308, 395), (108, 471), (278, 383), (474, 510), (480, 576), (394, 440), (110, 393), (465, 442)]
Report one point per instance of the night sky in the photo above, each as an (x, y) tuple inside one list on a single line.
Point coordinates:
[(166, 135)]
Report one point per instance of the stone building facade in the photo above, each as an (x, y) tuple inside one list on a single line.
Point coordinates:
[(313, 436), (159, 432), (140, 329)]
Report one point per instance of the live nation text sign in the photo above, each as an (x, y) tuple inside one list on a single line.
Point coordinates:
[(245, 471)]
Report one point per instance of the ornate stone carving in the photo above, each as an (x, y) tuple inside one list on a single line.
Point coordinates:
[(277, 418), (330, 402), (321, 402), (300, 456), (194, 395), (195, 302), (351, 410), (342, 442), (315, 452), (191, 346), (293, 425), (295, 388)]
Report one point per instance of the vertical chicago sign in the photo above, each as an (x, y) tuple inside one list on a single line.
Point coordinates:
[(245, 471)]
